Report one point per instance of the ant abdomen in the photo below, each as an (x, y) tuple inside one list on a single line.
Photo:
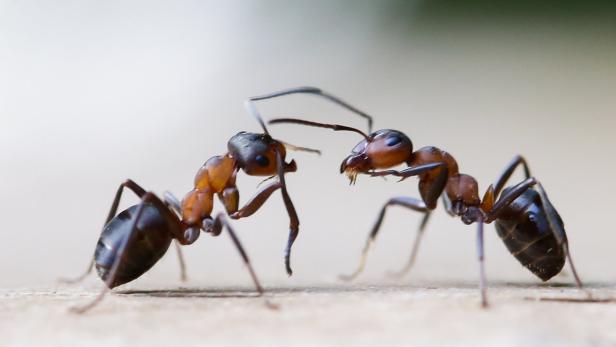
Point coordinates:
[(524, 228), (150, 242)]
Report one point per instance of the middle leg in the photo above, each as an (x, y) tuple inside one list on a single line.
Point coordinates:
[(127, 184), (259, 199), (407, 202), (119, 257), (409, 264), (214, 227)]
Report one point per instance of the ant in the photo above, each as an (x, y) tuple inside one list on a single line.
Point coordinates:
[(135, 239), (525, 219)]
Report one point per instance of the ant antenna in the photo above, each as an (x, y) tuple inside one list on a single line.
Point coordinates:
[(252, 109), (334, 127), (303, 90), (299, 148)]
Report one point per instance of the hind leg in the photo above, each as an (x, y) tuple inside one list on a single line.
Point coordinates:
[(519, 189), (79, 278), (559, 232), (174, 204), (132, 186), (111, 278), (509, 169)]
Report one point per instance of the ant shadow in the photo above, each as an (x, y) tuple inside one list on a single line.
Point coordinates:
[(213, 292), (221, 293), (237, 292), (247, 292)]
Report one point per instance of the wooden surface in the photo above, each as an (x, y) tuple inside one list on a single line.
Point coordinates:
[(439, 315)]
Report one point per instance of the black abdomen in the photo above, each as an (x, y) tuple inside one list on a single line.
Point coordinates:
[(525, 230), (150, 244)]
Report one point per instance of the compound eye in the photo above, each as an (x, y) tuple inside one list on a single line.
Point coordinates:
[(262, 160), (393, 140)]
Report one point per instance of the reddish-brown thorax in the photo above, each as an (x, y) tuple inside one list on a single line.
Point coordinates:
[(214, 177)]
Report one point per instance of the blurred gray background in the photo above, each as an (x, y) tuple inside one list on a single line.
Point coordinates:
[(95, 92)]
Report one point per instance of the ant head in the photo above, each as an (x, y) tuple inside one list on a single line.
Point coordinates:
[(379, 150), (382, 149), (255, 154)]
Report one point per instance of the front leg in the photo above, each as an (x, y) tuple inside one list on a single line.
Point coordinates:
[(230, 198), (407, 202), (253, 204), (293, 219), (408, 172), (259, 199), (430, 189)]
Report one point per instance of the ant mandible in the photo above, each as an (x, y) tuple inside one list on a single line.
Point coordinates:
[(135, 239), (525, 219)]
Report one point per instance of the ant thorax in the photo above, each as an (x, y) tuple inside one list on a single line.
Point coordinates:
[(463, 188), (217, 174), (462, 197)]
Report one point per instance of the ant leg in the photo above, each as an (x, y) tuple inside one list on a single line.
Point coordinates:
[(255, 202), (259, 199), (183, 272), (214, 227), (435, 187), (293, 219), (431, 198), (410, 171), (507, 199), (481, 256), (147, 197), (130, 184), (250, 106), (79, 278), (559, 232), (429, 203), (135, 188), (422, 226), (551, 214), (408, 202), (447, 205), (504, 177), (174, 204)]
